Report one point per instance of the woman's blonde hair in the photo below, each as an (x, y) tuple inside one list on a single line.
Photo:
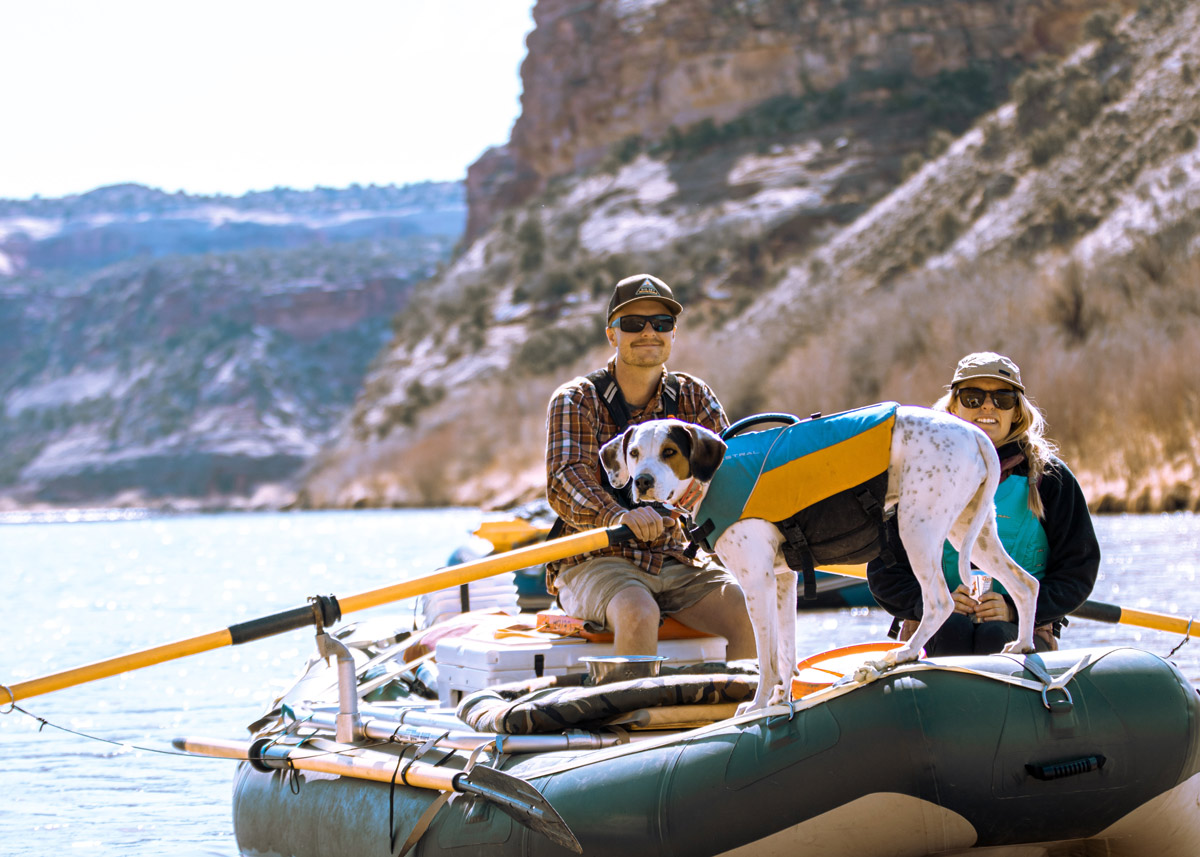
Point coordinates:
[(1029, 432)]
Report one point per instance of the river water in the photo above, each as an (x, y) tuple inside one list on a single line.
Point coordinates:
[(80, 588)]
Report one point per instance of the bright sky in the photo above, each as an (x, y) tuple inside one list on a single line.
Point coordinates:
[(227, 96)]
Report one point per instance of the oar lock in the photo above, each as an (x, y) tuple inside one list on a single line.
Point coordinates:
[(326, 611), (349, 724)]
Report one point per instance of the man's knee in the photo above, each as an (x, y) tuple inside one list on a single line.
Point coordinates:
[(632, 604), (722, 611)]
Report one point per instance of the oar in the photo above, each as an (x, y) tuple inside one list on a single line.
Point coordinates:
[(1115, 614), (1098, 611), (324, 610), (510, 794)]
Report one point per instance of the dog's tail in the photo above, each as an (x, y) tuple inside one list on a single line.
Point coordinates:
[(982, 501)]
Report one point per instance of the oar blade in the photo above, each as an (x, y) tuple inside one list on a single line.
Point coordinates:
[(521, 801)]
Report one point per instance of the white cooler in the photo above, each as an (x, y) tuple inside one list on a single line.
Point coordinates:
[(479, 660)]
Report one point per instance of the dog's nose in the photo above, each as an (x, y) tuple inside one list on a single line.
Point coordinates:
[(643, 483)]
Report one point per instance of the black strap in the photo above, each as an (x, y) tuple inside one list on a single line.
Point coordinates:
[(698, 536), (873, 508), (612, 397), (556, 529), (799, 556), (670, 398)]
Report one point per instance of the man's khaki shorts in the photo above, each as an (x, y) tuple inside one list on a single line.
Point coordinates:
[(584, 590)]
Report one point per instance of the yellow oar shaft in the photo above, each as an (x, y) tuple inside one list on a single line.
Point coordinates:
[(1114, 614), (328, 757), (329, 608), (1159, 622), (589, 540), (114, 666), (1098, 611), (220, 748)]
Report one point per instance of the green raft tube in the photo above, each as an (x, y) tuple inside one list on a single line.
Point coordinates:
[(1075, 752)]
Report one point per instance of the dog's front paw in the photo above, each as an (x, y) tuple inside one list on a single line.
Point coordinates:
[(900, 655), (867, 672), (1018, 647), (748, 707)]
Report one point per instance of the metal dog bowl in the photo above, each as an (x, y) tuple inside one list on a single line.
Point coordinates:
[(622, 667)]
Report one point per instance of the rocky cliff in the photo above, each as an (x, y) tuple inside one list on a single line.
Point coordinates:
[(212, 361), (606, 74), (847, 197)]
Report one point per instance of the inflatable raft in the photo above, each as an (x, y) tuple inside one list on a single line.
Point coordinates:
[(1071, 752)]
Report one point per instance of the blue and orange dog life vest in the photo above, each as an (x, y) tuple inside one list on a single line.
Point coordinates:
[(821, 481)]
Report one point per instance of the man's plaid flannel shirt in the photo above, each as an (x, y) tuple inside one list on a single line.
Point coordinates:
[(577, 425)]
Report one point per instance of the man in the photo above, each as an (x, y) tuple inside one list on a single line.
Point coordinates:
[(629, 587)]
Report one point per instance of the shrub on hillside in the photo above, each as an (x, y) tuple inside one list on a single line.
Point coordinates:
[(548, 349), (1135, 317), (952, 99), (532, 243), (1045, 143)]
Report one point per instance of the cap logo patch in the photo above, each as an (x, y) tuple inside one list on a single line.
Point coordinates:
[(646, 288)]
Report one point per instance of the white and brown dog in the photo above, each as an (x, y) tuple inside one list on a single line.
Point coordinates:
[(942, 477)]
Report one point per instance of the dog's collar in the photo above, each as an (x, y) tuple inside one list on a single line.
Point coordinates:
[(687, 500)]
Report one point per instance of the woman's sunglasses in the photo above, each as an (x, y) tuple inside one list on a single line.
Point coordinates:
[(637, 323), (973, 397)]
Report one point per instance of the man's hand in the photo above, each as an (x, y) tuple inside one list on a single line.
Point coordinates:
[(646, 523)]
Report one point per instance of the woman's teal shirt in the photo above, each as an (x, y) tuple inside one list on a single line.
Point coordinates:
[(1020, 531)]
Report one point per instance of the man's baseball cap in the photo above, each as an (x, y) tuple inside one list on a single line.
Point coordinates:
[(987, 364), (642, 287)]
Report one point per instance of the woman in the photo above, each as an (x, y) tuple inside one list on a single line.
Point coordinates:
[(1041, 516)]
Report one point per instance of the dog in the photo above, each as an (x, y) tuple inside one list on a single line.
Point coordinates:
[(942, 475)]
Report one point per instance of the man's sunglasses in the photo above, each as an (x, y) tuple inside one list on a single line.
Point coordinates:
[(973, 397), (637, 323)]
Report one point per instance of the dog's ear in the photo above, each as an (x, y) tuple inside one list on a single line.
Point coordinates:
[(612, 456), (708, 451)]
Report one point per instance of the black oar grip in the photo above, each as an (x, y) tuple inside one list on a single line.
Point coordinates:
[(618, 534), (1098, 611), (288, 620)]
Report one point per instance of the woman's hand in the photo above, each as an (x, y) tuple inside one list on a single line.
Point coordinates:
[(993, 608), (963, 602)]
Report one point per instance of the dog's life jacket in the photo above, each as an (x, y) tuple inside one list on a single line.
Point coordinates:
[(822, 481)]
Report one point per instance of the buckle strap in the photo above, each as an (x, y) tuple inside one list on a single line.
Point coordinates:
[(799, 556), (700, 533)]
